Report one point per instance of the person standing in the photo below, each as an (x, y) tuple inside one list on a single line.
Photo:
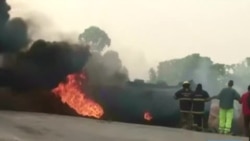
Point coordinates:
[(226, 97), (185, 102), (245, 101), (200, 96)]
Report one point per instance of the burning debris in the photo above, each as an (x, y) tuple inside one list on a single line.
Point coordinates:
[(147, 116)]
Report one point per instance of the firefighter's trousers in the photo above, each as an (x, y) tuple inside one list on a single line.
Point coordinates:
[(225, 120), (198, 120), (186, 120)]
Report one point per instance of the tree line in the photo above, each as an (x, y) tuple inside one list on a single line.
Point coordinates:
[(203, 70), (106, 67)]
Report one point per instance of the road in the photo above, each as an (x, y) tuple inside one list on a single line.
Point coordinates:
[(20, 126)]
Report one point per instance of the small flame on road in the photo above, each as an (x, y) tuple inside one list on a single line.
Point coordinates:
[(147, 116)]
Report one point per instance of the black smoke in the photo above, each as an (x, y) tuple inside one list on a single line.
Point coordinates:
[(48, 63), (41, 65), (44, 65), (4, 13), (106, 69), (13, 32)]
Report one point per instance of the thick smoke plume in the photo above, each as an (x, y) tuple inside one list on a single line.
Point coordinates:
[(13, 33), (33, 68), (48, 63), (106, 69), (43, 64)]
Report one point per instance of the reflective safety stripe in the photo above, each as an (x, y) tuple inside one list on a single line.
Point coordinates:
[(226, 130), (185, 99), (194, 112), (221, 129), (199, 99), (184, 111)]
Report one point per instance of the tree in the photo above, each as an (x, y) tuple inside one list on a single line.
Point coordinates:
[(176, 70), (192, 67), (212, 75), (103, 68), (240, 73), (152, 76), (218, 72), (96, 38), (112, 61)]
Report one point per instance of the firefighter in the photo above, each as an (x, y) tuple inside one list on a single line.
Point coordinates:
[(199, 98), (226, 96), (185, 102)]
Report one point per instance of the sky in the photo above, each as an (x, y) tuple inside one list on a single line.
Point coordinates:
[(145, 32)]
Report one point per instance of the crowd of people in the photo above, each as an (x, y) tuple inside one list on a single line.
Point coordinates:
[(192, 107)]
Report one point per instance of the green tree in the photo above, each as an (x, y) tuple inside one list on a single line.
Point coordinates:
[(192, 67), (152, 75), (218, 71), (103, 68), (176, 70), (213, 76), (96, 38), (240, 73)]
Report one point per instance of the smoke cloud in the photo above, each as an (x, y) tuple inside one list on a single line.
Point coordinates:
[(42, 65), (48, 63), (106, 69), (13, 33), (30, 64)]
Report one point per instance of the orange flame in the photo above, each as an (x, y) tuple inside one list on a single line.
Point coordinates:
[(71, 93), (147, 116)]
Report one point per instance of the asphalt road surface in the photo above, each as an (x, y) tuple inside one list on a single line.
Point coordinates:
[(15, 126)]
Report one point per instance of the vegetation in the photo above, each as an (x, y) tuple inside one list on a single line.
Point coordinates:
[(103, 67), (203, 70)]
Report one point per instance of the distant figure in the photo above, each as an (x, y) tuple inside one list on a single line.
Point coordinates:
[(199, 98), (245, 101), (226, 96), (185, 102)]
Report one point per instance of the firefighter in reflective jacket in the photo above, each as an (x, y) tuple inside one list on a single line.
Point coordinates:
[(184, 96), (198, 110)]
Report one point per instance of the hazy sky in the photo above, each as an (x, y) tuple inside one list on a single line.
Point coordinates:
[(145, 32)]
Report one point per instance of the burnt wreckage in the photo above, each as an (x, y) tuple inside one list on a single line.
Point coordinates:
[(126, 103)]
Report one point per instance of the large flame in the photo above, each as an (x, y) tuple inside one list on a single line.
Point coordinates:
[(71, 93), (147, 116)]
